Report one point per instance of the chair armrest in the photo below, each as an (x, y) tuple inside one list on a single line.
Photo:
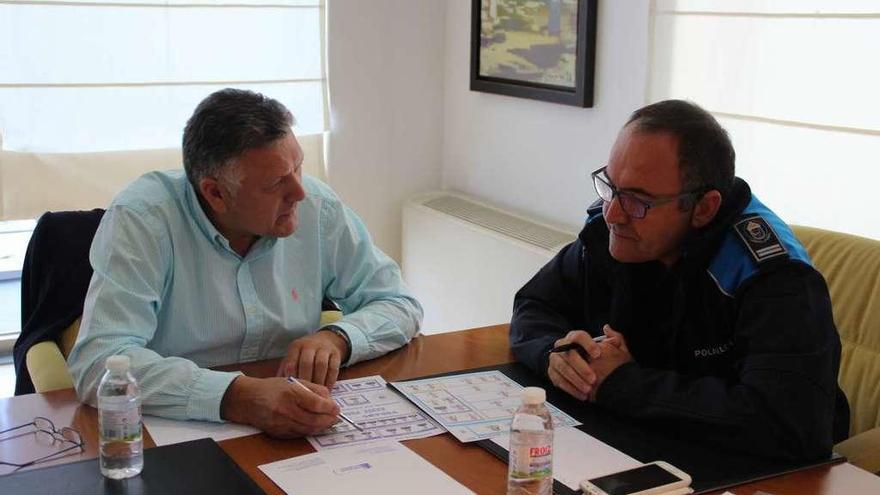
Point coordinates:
[(328, 317), (47, 367), (863, 450)]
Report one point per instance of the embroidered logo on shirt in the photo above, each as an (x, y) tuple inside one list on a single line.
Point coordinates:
[(759, 238), (294, 294)]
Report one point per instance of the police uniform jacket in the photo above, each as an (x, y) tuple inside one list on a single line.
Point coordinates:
[(734, 345)]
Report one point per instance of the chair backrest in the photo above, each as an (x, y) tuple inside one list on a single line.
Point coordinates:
[(851, 267), (54, 281)]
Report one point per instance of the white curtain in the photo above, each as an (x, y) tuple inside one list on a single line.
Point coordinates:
[(79, 77), (795, 82)]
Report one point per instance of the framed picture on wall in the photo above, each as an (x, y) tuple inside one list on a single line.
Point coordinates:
[(539, 49)]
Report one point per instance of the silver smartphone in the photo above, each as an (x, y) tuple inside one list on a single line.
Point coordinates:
[(650, 479)]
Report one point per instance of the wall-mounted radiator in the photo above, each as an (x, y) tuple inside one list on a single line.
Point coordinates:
[(464, 259)]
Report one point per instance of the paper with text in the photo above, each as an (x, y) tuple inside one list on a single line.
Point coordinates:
[(386, 468), (473, 406), (578, 456), (168, 431), (381, 412)]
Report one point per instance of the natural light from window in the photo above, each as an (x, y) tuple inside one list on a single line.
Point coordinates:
[(795, 83), (95, 93)]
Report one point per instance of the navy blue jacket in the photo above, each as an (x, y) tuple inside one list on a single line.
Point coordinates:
[(54, 280), (734, 345)]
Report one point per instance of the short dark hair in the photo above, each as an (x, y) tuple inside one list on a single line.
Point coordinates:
[(226, 124), (705, 154)]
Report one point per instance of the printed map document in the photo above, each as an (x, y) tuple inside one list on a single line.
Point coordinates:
[(386, 468), (578, 456), (381, 413), (473, 406), (168, 431)]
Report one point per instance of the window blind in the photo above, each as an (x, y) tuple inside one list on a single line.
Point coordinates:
[(95, 93), (124, 75), (794, 82)]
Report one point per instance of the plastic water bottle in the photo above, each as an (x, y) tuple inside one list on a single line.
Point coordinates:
[(119, 421), (530, 470)]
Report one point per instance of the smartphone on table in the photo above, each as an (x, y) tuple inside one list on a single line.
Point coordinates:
[(650, 479)]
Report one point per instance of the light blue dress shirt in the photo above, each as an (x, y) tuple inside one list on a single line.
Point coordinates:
[(169, 292)]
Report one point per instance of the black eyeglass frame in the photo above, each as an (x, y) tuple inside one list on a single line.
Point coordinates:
[(62, 435), (646, 204)]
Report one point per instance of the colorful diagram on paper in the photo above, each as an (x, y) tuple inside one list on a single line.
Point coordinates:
[(380, 411), (473, 406)]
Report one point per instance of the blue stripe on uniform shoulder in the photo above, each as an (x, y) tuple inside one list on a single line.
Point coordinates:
[(594, 211), (734, 263)]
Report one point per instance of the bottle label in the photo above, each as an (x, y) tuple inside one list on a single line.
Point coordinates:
[(531, 462), (119, 419)]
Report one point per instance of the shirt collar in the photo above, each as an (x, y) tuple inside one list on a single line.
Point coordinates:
[(263, 245), (197, 213)]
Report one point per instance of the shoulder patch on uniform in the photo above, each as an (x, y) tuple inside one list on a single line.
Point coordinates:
[(759, 238), (760, 235)]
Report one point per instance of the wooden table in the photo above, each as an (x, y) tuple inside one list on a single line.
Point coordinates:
[(469, 464)]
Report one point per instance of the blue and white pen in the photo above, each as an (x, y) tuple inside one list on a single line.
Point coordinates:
[(293, 380)]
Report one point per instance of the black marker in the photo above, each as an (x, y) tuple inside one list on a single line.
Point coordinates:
[(576, 346)]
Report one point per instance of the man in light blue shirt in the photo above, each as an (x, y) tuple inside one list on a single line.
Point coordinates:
[(229, 263)]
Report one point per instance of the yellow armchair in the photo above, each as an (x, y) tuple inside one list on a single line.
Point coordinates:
[(47, 361), (851, 266)]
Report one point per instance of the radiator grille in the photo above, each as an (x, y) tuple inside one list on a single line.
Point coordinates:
[(500, 222)]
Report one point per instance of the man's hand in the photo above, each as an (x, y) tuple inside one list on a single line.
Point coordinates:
[(278, 407), (571, 372), (614, 354), (314, 358)]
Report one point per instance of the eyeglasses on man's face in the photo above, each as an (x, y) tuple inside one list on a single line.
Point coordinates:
[(635, 205), (45, 430)]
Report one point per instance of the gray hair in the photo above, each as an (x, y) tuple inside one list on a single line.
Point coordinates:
[(225, 125)]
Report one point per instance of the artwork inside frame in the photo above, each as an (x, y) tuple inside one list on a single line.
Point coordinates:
[(539, 49)]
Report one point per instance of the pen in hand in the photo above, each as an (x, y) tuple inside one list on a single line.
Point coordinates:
[(576, 346), (293, 380)]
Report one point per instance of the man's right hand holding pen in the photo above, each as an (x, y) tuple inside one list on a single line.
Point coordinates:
[(279, 407), (579, 363)]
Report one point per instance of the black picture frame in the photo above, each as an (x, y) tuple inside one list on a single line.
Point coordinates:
[(579, 94)]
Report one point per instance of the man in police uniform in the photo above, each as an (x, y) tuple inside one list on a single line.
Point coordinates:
[(719, 326)]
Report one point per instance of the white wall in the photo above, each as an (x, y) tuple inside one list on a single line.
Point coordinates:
[(403, 120), (386, 81), (533, 156)]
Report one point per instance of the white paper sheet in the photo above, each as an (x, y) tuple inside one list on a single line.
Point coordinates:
[(473, 406), (578, 456), (381, 412), (168, 431), (386, 468)]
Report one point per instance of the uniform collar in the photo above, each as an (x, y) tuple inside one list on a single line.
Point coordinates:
[(700, 247)]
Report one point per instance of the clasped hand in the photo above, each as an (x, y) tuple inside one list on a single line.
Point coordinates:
[(581, 377)]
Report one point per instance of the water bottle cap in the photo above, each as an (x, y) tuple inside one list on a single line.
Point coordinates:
[(533, 395), (119, 363)]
